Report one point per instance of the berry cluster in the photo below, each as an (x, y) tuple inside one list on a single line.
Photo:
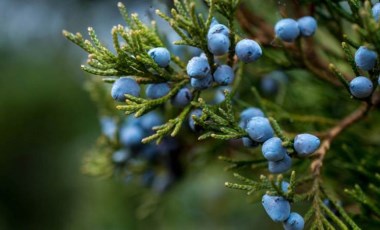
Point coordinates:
[(260, 131), (154, 165), (288, 29), (278, 209), (366, 59), (361, 87)]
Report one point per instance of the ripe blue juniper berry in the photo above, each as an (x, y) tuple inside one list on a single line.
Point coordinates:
[(287, 29), (161, 56), (365, 58), (229, 58), (361, 87), (123, 86), (224, 75), (198, 67), (307, 26), (248, 50), (155, 91)]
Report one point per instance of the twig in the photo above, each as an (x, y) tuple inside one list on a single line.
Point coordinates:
[(334, 132)]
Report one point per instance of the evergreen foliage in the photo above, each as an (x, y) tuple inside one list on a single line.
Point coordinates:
[(340, 181)]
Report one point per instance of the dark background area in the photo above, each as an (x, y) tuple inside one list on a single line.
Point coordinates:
[(47, 122)]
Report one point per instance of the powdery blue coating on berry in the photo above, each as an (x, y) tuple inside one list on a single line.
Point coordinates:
[(306, 144), (131, 135), (197, 113), (203, 55), (160, 55), (376, 11), (132, 120), (365, 58), (294, 222), (218, 44), (249, 143), (378, 80), (182, 98), (122, 86), (203, 83), (248, 50), (213, 22), (277, 207), (224, 75), (287, 29), (120, 156), (281, 166), (108, 126), (273, 150), (259, 129), (361, 87), (149, 120), (250, 112), (307, 25), (155, 91), (218, 29), (198, 68)]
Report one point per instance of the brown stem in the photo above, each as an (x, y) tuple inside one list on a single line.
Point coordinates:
[(333, 133)]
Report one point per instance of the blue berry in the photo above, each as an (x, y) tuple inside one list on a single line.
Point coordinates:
[(365, 58), (361, 87), (198, 68), (259, 129), (149, 120), (248, 50), (160, 55), (277, 207), (269, 86), (287, 29), (249, 143), (376, 11), (132, 120), (218, 29), (271, 83), (280, 166), (203, 83), (294, 222), (213, 22), (131, 135), (224, 75), (108, 126), (218, 44), (182, 98), (203, 55), (378, 80), (307, 26), (155, 91), (250, 112), (120, 156), (197, 113), (124, 85), (273, 150), (306, 144)]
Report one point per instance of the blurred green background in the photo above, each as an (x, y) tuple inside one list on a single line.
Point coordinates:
[(47, 122)]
